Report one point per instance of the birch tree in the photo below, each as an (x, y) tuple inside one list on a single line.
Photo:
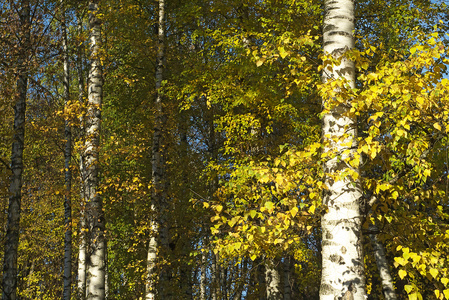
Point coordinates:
[(159, 238), (67, 171), (94, 206), (81, 288), (12, 229), (273, 280), (342, 256)]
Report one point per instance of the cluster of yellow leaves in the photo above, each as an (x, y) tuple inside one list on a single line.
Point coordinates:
[(271, 202)]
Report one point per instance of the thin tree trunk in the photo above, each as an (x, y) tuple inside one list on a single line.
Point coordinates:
[(272, 280), (15, 198), (241, 279), (30, 275), (287, 271), (67, 170), (214, 278), (203, 276), (81, 293), (94, 206), (224, 282), (106, 270), (182, 205), (150, 287), (382, 266), (343, 274), (261, 278), (158, 196)]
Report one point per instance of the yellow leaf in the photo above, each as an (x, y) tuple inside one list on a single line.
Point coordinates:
[(260, 61), (253, 257), (433, 272), (413, 50), (446, 293), (444, 281), (294, 211), (252, 213), (205, 205), (312, 208), (413, 296), (408, 288), (282, 52), (219, 208), (269, 205), (402, 273), (437, 126), (400, 261)]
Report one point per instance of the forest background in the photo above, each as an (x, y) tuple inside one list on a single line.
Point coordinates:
[(175, 150)]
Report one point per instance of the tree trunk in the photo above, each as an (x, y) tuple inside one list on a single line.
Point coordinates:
[(214, 277), (272, 280), (203, 276), (94, 206), (158, 195), (382, 266), (224, 283), (261, 278), (15, 198), (67, 170), (343, 274), (81, 293), (287, 273)]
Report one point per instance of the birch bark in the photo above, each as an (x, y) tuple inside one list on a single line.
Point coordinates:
[(15, 198), (81, 292), (68, 173), (94, 206), (342, 256), (203, 276), (158, 195), (272, 280)]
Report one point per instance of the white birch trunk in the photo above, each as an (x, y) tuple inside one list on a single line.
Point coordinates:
[(382, 266), (272, 281), (150, 287), (68, 173), (81, 289), (94, 210), (203, 276), (158, 196), (342, 256), (15, 198)]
